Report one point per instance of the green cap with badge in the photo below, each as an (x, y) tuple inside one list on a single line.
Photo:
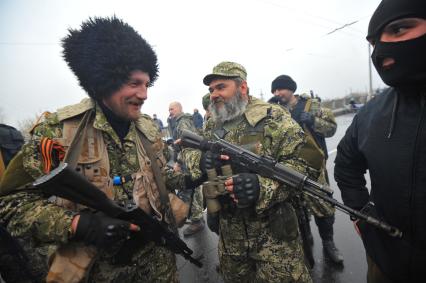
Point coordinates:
[(226, 70)]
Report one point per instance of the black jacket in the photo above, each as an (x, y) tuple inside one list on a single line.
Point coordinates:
[(388, 137)]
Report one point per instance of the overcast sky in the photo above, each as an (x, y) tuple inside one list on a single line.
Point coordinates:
[(268, 37)]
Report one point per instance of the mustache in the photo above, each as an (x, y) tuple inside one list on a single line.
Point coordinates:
[(218, 100), (135, 101)]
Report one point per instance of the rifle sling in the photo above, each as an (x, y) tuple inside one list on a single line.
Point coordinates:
[(74, 150)]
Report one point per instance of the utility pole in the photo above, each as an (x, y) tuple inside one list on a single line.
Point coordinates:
[(370, 90)]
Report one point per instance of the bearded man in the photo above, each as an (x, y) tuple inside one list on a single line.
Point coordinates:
[(258, 232)]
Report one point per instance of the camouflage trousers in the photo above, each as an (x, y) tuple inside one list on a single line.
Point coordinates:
[(318, 207), (152, 264), (197, 205), (261, 249)]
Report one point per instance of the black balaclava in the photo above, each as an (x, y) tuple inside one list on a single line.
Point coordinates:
[(409, 69)]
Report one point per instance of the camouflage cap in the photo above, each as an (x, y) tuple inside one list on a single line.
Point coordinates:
[(227, 70)]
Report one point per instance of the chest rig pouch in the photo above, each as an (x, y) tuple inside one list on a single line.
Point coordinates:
[(150, 192), (281, 220), (92, 162), (86, 152), (249, 138)]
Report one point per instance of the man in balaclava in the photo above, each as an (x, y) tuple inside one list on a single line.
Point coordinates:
[(65, 241), (387, 138)]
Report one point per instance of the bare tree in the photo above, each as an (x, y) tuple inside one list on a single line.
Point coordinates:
[(25, 126)]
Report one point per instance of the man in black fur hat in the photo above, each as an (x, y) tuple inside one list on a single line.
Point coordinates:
[(388, 137), (65, 242)]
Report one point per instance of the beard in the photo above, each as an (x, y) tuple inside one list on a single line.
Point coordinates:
[(230, 109)]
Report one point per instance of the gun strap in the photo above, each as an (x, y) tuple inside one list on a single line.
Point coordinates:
[(308, 105), (73, 152), (164, 197)]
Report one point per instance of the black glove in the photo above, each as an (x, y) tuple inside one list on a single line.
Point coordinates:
[(100, 230), (307, 118), (277, 100), (186, 195), (246, 189), (209, 160)]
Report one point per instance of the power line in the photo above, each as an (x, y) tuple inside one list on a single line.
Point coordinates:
[(310, 16), (342, 27), (27, 43)]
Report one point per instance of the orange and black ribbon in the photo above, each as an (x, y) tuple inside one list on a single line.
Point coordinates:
[(52, 152)]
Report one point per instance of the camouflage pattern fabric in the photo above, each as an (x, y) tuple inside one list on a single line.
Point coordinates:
[(262, 243), (228, 70), (42, 226), (317, 206), (183, 122), (197, 205), (325, 123)]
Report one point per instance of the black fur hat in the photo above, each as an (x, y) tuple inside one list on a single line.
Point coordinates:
[(104, 52)]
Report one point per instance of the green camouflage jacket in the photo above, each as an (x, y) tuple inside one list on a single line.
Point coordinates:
[(42, 225), (282, 140), (325, 123)]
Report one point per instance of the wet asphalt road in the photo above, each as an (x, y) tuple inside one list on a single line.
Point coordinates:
[(346, 239)]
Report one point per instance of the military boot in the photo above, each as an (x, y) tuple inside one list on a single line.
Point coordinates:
[(325, 228), (193, 228)]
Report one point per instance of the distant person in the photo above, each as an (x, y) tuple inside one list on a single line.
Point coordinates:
[(198, 119), (387, 137), (352, 103), (206, 104), (182, 121), (158, 122), (318, 123), (11, 141), (179, 120)]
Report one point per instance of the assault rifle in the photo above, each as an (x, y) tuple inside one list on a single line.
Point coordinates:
[(66, 183), (269, 168)]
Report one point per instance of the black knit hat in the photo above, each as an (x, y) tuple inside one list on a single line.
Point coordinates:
[(104, 52), (283, 82), (390, 10)]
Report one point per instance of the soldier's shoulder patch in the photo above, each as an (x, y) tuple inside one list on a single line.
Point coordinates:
[(75, 110), (256, 111), (147, 126)]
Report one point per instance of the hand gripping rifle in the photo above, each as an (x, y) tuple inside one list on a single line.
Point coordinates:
[(269, 168), (66, 183)]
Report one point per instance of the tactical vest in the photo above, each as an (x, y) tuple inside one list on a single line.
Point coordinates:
[(72, 262), (313, 145)]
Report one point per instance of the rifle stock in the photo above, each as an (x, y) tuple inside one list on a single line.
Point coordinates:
[(66, 183), (269, 168)]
